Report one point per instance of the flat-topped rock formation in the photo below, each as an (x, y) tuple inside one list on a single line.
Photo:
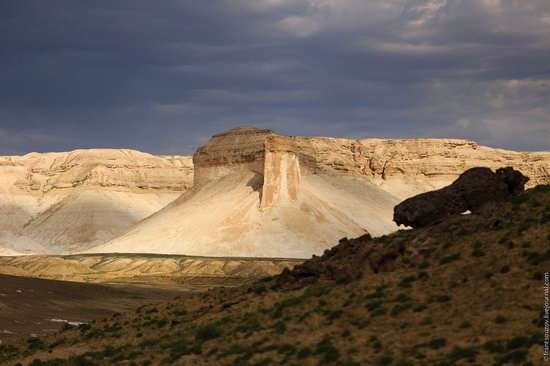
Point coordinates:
[(255, 193), (260, 194), (406, 167), (54, 202)]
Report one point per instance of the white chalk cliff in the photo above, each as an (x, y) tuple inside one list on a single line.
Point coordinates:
[(65, 202), (260, 194)]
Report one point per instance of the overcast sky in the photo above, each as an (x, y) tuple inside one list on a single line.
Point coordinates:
[(163, 76)]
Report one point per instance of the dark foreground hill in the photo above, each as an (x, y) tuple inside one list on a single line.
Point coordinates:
[(468, 290)]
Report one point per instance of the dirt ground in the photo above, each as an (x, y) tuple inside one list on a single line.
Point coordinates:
[(32, 307)]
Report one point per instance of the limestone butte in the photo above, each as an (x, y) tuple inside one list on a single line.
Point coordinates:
[(56, 202), (260, 194)]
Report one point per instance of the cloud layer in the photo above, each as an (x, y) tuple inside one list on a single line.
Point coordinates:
[(164, 76)]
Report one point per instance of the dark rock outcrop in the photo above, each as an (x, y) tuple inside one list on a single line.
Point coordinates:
[(469, 192)]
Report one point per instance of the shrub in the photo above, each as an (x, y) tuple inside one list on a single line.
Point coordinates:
[(8, 351), (397, 309), (287, 303), (465, 324), (375, 295), (332, 315), (515, 357), (478, 253), (328, 352), (420, 308), (462, 232), (384, 360), (424, 265), (260, 290), (280, 327), (437, 343), (499, 319), (404, 363), (371, 306), (459, 353), (494, 347), (304, 352), (449, 258), (379, 312), (422, 274), (406, 281), (265, 279), (207, 332), (517, 342), (427, 321), (34, 344), (403, 298), (505, 269), (439, 298)]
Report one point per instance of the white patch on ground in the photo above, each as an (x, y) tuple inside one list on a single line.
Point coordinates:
[(65, 321)]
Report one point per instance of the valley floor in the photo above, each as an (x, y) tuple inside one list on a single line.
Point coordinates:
[(31, 307)]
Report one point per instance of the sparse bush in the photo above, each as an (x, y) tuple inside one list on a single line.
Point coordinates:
[(34, 344), (259, 290), (406, 281), (450, 258), (515, 357), (427, 321), (398, 308), (304, 353), (8, 351), (437, 343), (424, 265), (499, 319), (207, 332), (420, 308), (328, 352), (375, 295), (384, 360), (379, 312), (478, 253), (494, 347), (403, 298), (462, 232), (517, 342), (280, 327), (505, 269), (422, 274), (439, 298), (459, 353)]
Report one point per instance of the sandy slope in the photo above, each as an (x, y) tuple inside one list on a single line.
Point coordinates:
[(224, 218), (54, 202), (260, 194)]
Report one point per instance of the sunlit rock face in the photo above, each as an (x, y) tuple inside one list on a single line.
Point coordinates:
[(58, 202), (261, 194), (245, 192)]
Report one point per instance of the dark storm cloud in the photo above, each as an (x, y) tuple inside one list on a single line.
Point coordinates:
[(164, 76)]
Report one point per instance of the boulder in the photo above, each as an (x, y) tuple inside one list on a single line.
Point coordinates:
[(469, 192)]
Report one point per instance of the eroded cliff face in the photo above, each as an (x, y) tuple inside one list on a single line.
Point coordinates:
[(404, 167), (255, 193), (260, 194), (53, 201)]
